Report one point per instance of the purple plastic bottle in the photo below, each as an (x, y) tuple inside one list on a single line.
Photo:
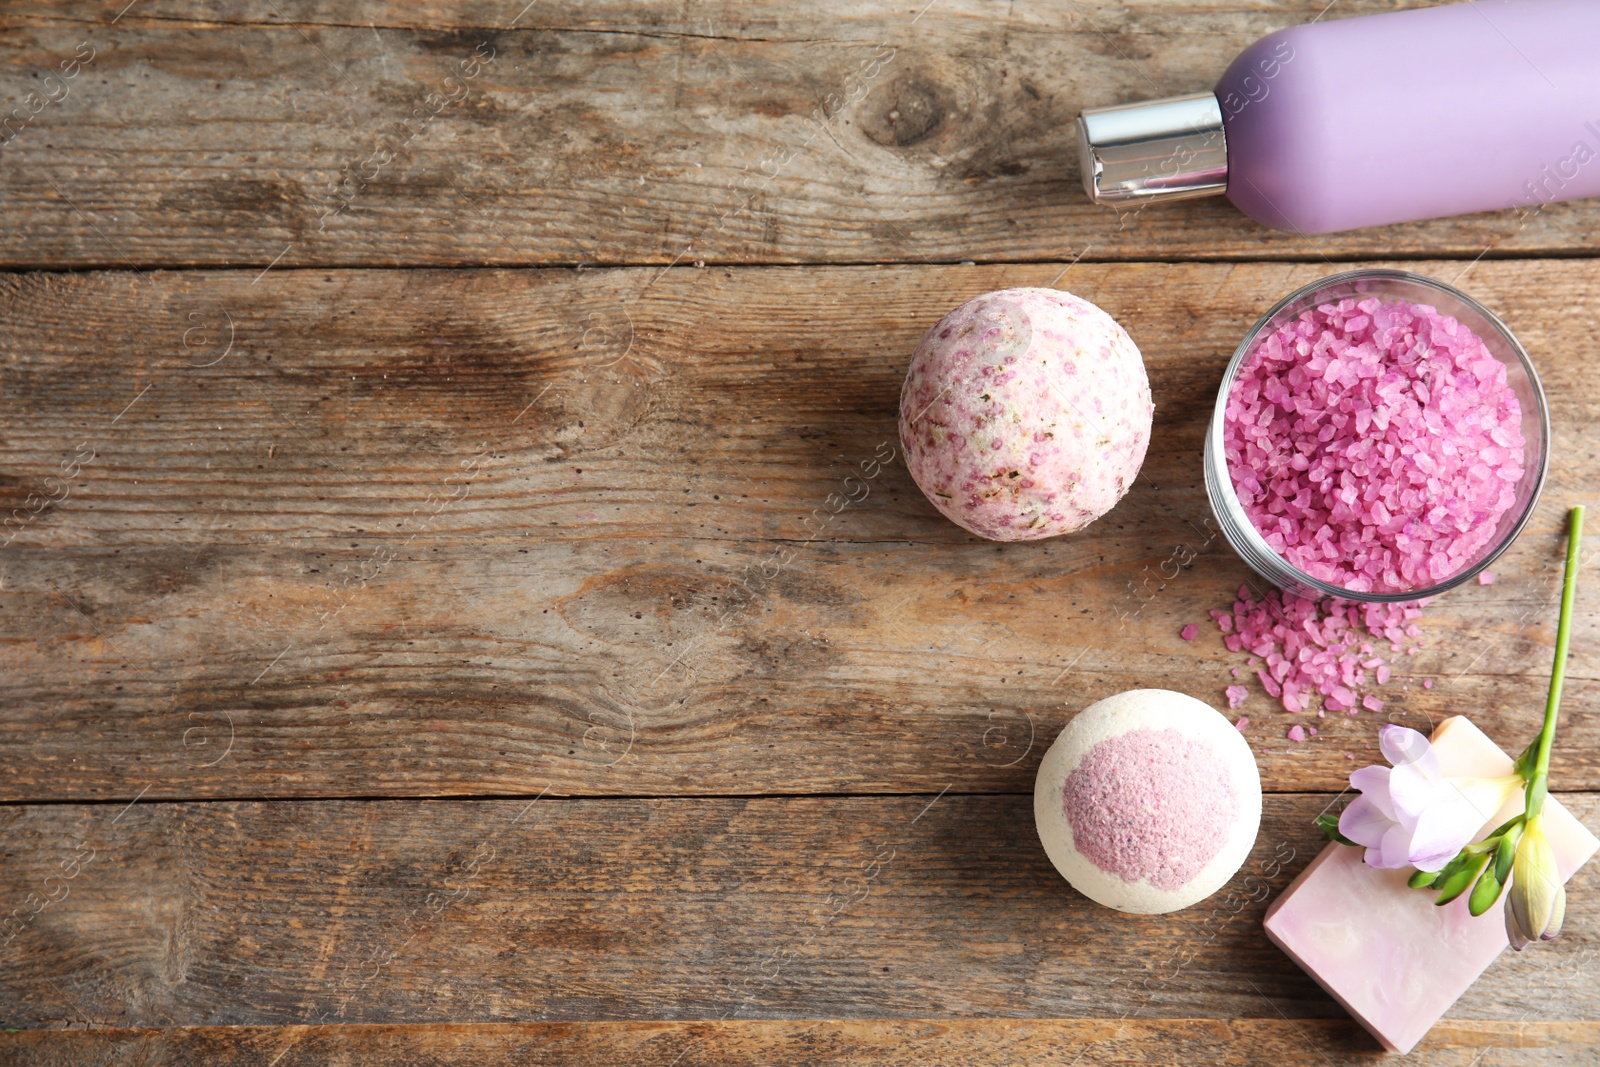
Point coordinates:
[(1366, 121)]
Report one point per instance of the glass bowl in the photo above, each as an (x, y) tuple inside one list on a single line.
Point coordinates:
[(1387, 285)]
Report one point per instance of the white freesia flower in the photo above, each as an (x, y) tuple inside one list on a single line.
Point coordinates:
[(1409, 814)]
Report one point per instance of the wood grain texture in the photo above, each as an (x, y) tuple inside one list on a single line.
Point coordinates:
[(824, 1043), (329, 912), (290, 548), (497, 532), (627, 132)]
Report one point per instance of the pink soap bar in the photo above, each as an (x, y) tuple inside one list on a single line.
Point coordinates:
[(1393, 958)]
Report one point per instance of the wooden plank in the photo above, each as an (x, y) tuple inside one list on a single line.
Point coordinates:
[(365, 911), (825, 1043), (495, 532), (308, 134)]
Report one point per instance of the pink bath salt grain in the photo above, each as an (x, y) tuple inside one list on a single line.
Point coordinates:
[(1314, 649), (1374, 445), (1372, 703), (1190, 632), (1297, 733), (1236, 695), (1244, 720), (1486, 577)]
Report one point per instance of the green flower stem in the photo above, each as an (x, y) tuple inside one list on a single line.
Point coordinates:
[(1539, 784)]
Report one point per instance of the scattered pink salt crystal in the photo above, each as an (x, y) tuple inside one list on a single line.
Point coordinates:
[(1372, 703), (1190, 632), (1236, 695), (1374, 445), (1296, 733), (1427, 683), (1236, 671), (1244, 720), (1314, 648), (1486, 577)]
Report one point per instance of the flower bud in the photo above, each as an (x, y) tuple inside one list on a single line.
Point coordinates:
[(1537, 903)]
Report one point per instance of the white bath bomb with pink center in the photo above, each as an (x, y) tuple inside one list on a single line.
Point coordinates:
[(1025, 414), (1148, 802)]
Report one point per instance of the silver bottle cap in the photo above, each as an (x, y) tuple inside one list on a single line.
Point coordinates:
[(1169, 149)]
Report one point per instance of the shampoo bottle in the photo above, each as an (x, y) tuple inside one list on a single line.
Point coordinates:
[(1373, 120)]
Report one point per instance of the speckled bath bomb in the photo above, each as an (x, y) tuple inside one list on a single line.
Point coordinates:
[(1025, 414), (1148, 802)]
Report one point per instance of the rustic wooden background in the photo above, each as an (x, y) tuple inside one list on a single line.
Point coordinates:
[(460, 603)]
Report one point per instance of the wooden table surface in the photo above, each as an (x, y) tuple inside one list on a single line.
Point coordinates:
[(461, 601)]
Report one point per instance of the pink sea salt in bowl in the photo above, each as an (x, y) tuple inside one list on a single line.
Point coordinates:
[(1379, 436)]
